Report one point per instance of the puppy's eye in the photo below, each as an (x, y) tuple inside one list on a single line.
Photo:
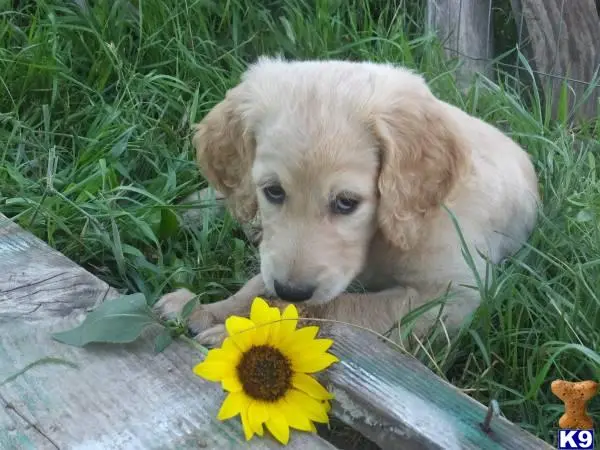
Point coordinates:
[(274, 194), (344, 205)]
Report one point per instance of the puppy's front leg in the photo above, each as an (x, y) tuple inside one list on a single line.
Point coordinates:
[(207, 321), (381, 311), (377, 311)]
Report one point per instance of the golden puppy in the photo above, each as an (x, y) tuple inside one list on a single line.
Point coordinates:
[(347, 167)]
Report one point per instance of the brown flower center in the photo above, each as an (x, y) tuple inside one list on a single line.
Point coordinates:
[(265, 373)]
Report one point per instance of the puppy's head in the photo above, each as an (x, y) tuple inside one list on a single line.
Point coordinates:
[(326, 153)]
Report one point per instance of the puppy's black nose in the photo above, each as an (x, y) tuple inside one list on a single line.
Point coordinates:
[(295, 294)]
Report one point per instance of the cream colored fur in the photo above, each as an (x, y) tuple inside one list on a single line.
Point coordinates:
[(374, 131)]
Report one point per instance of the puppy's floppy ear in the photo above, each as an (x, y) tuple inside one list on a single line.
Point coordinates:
[(225, 150), (422, 159)]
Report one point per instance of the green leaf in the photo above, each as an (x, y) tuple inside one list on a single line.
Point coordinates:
[(163, 340), (115, 321), (168, 223), (188, 308), (122, 144)]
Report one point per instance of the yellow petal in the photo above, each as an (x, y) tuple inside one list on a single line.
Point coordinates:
[(222, 355), (305, 333), (236, 325), (234, 403), (289, 320), (302, 335), (294, 416), (275, 319), (275, 314), (278, 427), (310, 386), (241, 331), (313, 409), (311, 365), (311, 349), (214, 371), (258, 414), (231, 350), (213, 355), (261, 314), (259, 311), (231, 384), (248, 433)]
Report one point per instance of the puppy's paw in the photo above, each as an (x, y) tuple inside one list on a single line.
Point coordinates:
[(212, 337), (170, 307)]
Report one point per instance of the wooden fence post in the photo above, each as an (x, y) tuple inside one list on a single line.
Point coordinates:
[(466, 32), (562, 40)]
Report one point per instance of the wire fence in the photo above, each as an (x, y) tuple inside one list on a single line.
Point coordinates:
[(557, 41)]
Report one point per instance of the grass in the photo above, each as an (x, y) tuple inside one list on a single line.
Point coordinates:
[(95, 111)]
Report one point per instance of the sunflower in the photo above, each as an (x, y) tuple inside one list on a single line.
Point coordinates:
[(264, 365)]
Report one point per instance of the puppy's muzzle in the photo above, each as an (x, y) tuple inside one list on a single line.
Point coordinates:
[(293, 293)]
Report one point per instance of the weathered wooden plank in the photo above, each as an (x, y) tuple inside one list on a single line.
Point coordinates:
[(17, 433), (466, 32), (129, 397), (119, 397), (38, 283), (562, 40), (396, 402)]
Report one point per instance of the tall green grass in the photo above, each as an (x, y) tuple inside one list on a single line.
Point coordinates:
[(95, 111)]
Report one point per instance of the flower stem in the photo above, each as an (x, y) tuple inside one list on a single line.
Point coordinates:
[(194, 344)]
